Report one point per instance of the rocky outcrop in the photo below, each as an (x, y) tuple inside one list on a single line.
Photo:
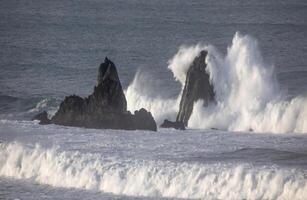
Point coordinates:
[(42, 118), (175, 125), (109, 93), (197, 87), (106, 108), (142, 124)]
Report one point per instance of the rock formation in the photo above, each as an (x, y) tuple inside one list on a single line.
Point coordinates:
[(42, 117), (197, 87), (170, 124), (143, 120), (106, 108)]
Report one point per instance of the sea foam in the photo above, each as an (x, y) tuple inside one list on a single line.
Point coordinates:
[(72, 169)]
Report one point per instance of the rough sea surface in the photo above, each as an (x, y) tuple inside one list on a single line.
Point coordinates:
[(250, 144)]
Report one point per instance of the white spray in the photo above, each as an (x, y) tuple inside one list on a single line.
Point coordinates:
[(138, 96), (247, 93), (72, 169)]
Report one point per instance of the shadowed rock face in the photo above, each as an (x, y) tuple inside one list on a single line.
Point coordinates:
[(170, 124), (109, 93), (106, 108), (140, 123), (42, 117), (197, 87)]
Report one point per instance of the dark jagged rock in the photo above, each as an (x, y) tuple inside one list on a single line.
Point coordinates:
[(142, 124), (42, 117), (197, 87), (109, 92), (170, 124), (106, 108), (72, 112)]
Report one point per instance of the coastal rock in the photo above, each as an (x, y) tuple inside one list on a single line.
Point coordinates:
[(197, 87), (42, 117), (106, 108), (170, 124), (140, 123), (108, 93), (72, 112)]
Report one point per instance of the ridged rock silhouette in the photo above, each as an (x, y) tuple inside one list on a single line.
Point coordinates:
[(197, 87), (106, 108), (175, 125)]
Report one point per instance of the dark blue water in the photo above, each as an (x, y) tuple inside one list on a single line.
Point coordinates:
[(53, 48)]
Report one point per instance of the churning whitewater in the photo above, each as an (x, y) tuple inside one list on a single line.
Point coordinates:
[(149, 178), (248, 97)]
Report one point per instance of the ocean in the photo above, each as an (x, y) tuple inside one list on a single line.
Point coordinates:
[(250, 144)]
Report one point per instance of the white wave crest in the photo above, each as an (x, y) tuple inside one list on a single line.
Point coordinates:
[(247, 93), (40, 105), (181, 62), (45, 104), (248, 96), (138, 97), (149, 178)]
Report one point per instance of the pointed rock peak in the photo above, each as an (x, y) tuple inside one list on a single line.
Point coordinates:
[(107, 71), (203, 53), (199, 62), (197, 87), (201, 57), (106, 60)]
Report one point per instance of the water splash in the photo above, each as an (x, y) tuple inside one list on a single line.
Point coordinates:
[(72, 169), (138, 97), (247, 93), (248, 96)]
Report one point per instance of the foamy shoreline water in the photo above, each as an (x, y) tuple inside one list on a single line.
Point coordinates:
[(172, 164)]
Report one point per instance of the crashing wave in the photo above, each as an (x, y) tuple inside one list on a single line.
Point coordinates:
[(49, 104), (72, 169), (248, 96), (138, 97)]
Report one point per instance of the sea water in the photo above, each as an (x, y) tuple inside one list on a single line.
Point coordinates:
[(250, 144)]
